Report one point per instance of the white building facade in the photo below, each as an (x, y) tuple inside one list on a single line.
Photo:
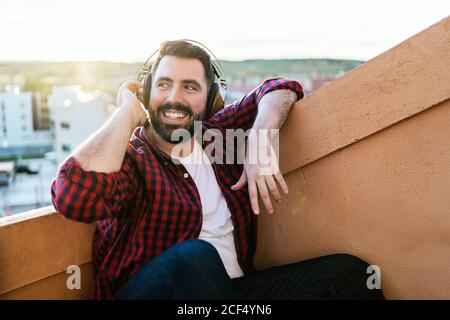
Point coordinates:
[(17, 125), (76, 115)]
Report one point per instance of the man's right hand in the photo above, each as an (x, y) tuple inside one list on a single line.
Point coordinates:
[(127, 99)]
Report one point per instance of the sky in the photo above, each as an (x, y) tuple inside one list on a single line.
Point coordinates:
[(130, 30)]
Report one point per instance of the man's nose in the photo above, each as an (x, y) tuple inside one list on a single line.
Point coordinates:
[(175, 95)]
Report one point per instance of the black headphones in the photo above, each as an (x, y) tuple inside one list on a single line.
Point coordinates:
[(220, 82)]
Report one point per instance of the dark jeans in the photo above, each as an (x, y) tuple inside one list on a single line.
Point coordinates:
[(194, 270)]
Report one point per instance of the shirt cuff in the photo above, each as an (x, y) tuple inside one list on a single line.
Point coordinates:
[(98, 182), (277, 84)]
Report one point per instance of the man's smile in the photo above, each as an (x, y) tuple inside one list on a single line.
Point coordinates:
[(173, 116)]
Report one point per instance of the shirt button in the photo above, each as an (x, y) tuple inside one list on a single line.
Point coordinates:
[(185, 175)]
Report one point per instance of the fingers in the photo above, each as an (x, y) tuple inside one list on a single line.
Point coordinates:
[(273, 187), (262, 187), (281, 181), (140, 94), (241, 182), (253, 193), (133, 86), (127, 88)]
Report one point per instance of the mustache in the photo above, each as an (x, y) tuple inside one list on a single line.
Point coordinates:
[(175, 106)]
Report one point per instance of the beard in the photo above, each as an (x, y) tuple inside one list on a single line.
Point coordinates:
[(166, 131)]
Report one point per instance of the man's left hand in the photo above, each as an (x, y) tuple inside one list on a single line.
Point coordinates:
[(261, 172)]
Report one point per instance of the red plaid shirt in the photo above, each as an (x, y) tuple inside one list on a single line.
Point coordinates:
[(152, 203)]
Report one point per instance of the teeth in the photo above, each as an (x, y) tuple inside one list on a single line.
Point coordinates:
[(174, 114)]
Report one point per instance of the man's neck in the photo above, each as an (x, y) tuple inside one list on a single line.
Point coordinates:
[(182, 149)]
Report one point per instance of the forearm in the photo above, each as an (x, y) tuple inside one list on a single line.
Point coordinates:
[(274, 108), (105, 149)]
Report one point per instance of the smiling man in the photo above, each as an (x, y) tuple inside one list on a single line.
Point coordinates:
[(178, 225), (178, 97)]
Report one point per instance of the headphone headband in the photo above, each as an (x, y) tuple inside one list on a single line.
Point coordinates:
[(218, 70)]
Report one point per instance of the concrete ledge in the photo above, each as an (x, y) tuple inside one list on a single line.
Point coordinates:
[(384, 199), (404, 81), (367, 162), (54, 288), (39, 244)]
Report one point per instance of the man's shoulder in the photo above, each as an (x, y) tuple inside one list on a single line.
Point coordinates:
[(138, 138), (138, 145)]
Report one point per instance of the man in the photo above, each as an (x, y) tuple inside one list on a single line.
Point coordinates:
[(169, 227)]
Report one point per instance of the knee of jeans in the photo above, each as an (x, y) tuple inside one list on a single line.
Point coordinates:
[(348, 266), (348, 259), (197, 252), (350, 262), (354, 276)]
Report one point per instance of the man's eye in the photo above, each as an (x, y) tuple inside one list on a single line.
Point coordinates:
[(191, 88), (162, 85)]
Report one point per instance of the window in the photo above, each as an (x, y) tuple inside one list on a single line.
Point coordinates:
[(66, 148), (65, 125)]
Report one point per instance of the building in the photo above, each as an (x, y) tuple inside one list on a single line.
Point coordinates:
[(76, 114), (24, 125), (6, 172)]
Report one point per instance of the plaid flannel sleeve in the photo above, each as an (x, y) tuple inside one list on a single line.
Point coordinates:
[(88, 196), (242, 113)]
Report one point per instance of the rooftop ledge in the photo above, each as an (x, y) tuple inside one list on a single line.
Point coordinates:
[(367, 162)]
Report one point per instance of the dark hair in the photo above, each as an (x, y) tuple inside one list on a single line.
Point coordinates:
[(184, 49)]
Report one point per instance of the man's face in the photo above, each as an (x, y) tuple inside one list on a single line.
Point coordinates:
[(178, 96)]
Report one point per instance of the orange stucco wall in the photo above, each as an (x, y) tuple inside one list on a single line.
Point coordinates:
[(367, 162), (369, 170), (35, 250)]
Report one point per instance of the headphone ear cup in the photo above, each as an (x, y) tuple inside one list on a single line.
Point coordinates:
[(211, 99), (147, 88), (218, 103)]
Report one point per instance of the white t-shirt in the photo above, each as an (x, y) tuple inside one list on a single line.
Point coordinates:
[(217, 227)]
